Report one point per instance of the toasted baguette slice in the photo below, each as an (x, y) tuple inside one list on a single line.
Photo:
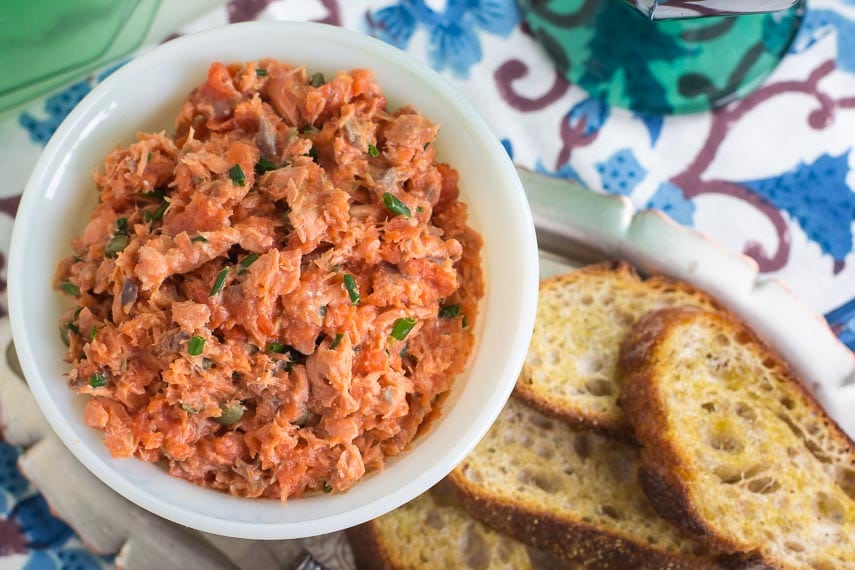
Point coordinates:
[(571, 493), (735, 448), (433, 532), (582, 317)]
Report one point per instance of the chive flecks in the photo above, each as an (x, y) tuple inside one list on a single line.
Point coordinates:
[(116, 245), (97, 380), (196, 346), (156, 194), (276, 347), (70, 288), (464, 322), (122, 225), (65, 330), (396, 206), (243, 266), (219, 281), (190, 409), (229, 414), (157, 214), (327, 489), (202, 239), (403, 352), (263, 165), (317, 80), (93, 333), (237, 175), (337, 340), (424, 146), (373, 151), (449, 311), (313, 153), (419, 210), (261, 72), (352, 289), (402, 327)]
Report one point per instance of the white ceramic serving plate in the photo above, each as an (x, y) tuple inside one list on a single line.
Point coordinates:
[(575, 227), (145, 95)]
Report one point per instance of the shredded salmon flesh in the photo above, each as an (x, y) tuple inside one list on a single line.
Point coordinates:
[(243, 288)]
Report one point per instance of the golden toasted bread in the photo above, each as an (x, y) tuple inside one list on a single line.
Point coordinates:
[(582, 318), (572, 493), (433, 532), (735, 449)]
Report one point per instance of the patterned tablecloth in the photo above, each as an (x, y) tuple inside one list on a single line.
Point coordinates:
[(771, 175)]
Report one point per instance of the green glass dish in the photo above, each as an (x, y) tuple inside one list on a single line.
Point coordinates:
[(47, 43), (660, 66)]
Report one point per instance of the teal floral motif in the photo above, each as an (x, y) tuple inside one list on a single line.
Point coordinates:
[(621, 173), (671, 200), (817, 196), (453, 41)]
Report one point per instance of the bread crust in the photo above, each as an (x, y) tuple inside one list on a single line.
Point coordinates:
[(662, 474), (368, 550), (616, 427), (593, 548)]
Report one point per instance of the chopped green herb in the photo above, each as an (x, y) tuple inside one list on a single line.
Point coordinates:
[(97, 380), (309, 130), (449, 311), (237, 175), (419, 210), (317, 80), (219, 281), (122, 225), (156, 194), (158, 214), (277, 347), (148, 157), (196, 346), (323, 311), (403, 352), (313, 153), (207, 363), (352, 289), (372, 151), (243, 266), (337, 340), (263, 165), (70, 288), (230, 414), (260, 72), (203, 239), (424, 146), (116, 245), (190, 409), (402, 327), (464, 322), (327, 489), (396, 206), (93, 333), (63, 334)]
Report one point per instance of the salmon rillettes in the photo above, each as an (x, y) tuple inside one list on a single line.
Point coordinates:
[(273, 300)]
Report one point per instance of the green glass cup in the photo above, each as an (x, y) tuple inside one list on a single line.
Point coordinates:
[(47, 43), (620, 52)]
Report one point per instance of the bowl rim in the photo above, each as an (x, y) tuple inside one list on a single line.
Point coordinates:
[(148, 499)]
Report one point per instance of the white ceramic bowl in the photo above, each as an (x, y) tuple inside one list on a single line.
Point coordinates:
[(145, 95)]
